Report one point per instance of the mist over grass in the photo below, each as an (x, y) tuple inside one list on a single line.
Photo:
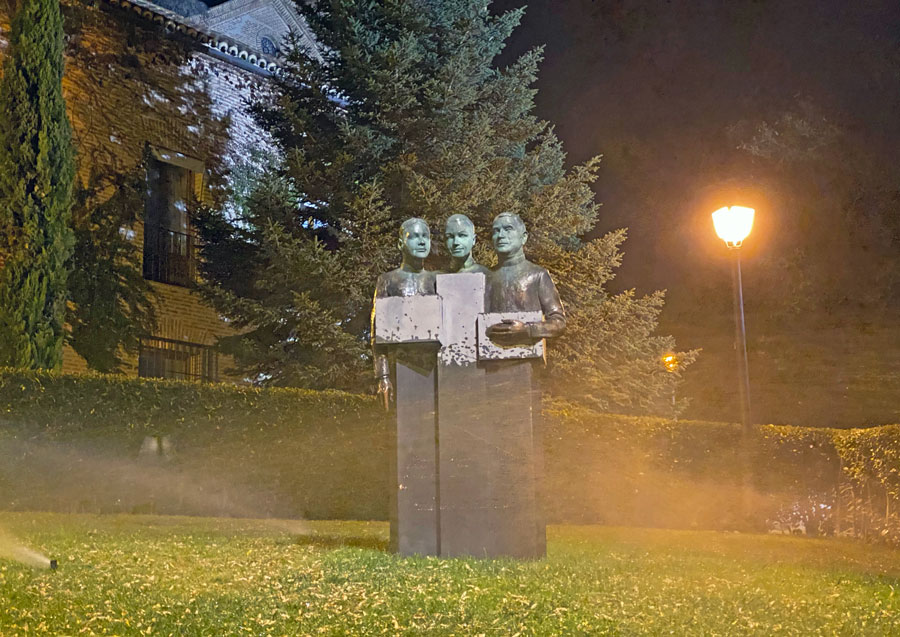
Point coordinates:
[(97, 478), (13, 549), (131, 575)]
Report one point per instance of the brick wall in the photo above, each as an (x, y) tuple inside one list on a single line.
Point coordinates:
[(128, 84)]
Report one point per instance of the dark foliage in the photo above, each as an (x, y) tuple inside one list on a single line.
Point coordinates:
[(111, 303), (36, 176), (404, 112), (72, 439)]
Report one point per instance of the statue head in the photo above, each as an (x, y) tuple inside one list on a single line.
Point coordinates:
[(415, 238), (460, 236), (508, 234)]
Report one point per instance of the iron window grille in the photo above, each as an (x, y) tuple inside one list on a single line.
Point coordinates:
[(169, 256), (169, 244), (167, 358)]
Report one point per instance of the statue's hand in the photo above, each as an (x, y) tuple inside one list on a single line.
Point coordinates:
[(386, 391), (508, 331)]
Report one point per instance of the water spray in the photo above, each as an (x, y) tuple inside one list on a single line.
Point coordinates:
[(10, 548)]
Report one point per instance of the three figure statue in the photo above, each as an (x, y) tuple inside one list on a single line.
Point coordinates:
[(457, 353), (515, 285)]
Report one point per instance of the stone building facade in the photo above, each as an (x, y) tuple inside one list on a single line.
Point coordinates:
[(149, 90)]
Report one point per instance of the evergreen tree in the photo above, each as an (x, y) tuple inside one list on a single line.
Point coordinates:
[(36, 175), (111, 302), (404, 113)]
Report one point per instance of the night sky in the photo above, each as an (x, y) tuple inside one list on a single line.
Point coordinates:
[(655, 87)]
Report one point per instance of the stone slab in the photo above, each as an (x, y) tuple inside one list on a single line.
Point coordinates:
[(491, 351), (414, 506), (462, 297), (464, 459), (513, 446), (407, 319)]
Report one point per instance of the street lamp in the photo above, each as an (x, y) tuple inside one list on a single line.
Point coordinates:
[(733, 225), (670, 363)]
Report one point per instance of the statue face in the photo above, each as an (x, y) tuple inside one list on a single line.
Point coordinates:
[(460, 238), (416, 240), (508, 236)]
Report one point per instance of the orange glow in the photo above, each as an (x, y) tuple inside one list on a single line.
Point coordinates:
[(670, 361), (733, 224)]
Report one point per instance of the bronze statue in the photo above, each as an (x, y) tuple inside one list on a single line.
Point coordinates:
[(410, 279), (518, 285), (459, 235)]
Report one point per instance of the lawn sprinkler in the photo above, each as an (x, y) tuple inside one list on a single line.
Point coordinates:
[(53, 565)]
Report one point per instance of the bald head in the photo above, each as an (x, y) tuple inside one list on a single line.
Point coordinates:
[(407, 226), (415, 238), (508, 234), (459, 236), (460, 220), (513, 217)]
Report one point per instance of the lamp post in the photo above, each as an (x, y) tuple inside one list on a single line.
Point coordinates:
[(733, 226), (670, 363)]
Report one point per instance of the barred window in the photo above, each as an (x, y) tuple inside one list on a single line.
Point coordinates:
[(169, 243), (167, 358)]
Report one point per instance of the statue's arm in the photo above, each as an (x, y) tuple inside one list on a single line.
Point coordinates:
[(554, 322), (379, 355)]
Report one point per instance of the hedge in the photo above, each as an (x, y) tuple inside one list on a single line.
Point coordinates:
[(109, 443)]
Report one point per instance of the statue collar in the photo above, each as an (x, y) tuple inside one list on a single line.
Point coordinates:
[(513, 260), (413, 268)]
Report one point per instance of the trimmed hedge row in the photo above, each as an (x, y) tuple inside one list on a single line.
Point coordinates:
[(107, 443), (624, 470), (110, 443)]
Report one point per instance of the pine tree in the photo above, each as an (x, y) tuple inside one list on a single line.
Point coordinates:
[(404, 113), (36, 175)]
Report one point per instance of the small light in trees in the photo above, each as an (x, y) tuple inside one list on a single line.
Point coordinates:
[(670, 362), (733, 224)]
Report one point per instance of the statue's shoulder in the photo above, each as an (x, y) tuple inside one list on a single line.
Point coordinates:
[(391, 275), (385, 282), (531, 267)]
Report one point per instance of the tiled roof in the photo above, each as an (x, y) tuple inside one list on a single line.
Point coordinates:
[(173, 22)]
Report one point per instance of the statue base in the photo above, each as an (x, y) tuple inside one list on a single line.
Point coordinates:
[(467, 461)]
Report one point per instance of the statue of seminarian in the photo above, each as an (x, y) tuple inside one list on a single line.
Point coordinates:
[(518, 285), (410, 279), (459, 235)]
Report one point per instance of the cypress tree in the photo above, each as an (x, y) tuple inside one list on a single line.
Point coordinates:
[(36, 176), (404, 112)]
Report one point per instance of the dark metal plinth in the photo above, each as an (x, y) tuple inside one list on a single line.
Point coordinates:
[(466, 452), (414, 511), (516, 473), (491, 462)]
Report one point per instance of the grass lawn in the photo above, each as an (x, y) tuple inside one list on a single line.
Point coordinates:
[(131, 575)]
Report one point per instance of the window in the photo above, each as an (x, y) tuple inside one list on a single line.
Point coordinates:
[(167, 358), (267, 44), (169, 244)]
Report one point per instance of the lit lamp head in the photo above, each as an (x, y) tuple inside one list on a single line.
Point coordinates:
[(733, 224), (670, 362)]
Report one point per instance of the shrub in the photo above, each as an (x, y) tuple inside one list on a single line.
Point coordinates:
[(110, 443)]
